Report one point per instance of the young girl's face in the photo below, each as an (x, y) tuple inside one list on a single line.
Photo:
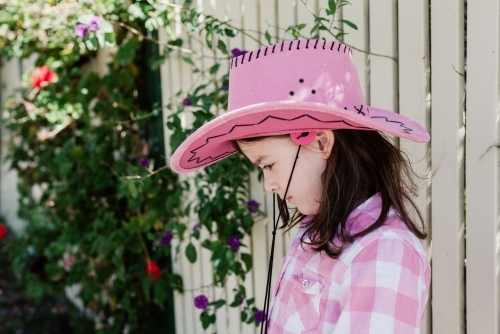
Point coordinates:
[(275, 155)]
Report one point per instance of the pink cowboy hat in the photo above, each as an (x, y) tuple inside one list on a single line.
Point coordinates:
[(291, 87)]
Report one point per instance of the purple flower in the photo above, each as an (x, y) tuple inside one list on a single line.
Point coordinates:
[(259, 316), (253, 206), (237, 52), (196, 227), (201, 302), (234, 242), (94, 23), (144, 162), (166, 239), (81, 30), (187, 102)]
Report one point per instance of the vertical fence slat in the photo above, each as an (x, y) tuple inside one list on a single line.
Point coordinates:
[(304, 14), (383, 40), (166, 80), (482, 165), (180, 319), (414, 86), (286, 16), (248, 284), (259, 245), (9, 80), (447, 46), (357, 12), (268, 16)]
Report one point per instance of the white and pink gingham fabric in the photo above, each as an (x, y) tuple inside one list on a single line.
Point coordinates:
[(380, 283)]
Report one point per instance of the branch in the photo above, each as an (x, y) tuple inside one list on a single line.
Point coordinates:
[(169, 46), (355, 48), (44, 134)]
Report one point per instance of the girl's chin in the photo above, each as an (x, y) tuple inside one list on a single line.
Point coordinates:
[(307, 210)]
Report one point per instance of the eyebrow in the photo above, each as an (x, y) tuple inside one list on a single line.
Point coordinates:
[(259, 160)]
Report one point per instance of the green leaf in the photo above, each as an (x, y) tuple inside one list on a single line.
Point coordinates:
[(187, 60), (350, 24), (222, 47), (319, 18), (214, 68), (106, 27), (301, 26), (54, 271), (160, 290), (243, 316), (248, 221), (332, 6), (231, 32), (110, 39), (100, 38), (191, 253), (205, 319), (136, 11), (132, 189), (247, 259), (314, 28), (218, 303), (268, 37), (127, 52), (209, 39), (85, 18)]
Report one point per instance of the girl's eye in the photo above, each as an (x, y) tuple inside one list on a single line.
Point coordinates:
[(268, 167)]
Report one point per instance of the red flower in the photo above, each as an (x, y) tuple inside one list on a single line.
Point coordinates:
[(153, 269), (42, 76), (3, 231)]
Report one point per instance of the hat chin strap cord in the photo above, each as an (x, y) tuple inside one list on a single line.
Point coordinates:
[(264, 325)]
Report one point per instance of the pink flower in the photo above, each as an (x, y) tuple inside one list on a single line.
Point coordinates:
[(81, 30), (68, 261), (94, 23), (42, 76)]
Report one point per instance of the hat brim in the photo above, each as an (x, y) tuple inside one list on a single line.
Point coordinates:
[(212, 142)]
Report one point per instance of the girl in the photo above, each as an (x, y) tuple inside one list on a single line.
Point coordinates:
[(357, 264)]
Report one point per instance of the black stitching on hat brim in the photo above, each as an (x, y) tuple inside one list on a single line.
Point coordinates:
[(207, 140), (201, 163)]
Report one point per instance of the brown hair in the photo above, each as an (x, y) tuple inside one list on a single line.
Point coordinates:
[(361, 164)]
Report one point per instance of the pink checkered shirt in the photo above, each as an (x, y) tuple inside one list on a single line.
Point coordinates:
[(380, 283)]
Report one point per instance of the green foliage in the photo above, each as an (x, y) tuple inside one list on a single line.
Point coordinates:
[(106, 207)]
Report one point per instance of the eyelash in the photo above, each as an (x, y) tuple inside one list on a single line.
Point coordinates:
[(268, 166)]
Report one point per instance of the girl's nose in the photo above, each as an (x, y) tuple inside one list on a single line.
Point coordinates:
[(270, 184)]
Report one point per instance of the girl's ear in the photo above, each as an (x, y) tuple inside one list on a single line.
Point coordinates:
[(324, 142)]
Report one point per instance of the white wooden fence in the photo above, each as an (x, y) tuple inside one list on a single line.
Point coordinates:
[(422, 72), (411, 36)]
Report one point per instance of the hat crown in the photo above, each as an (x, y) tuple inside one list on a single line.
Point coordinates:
[(315, 71)]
